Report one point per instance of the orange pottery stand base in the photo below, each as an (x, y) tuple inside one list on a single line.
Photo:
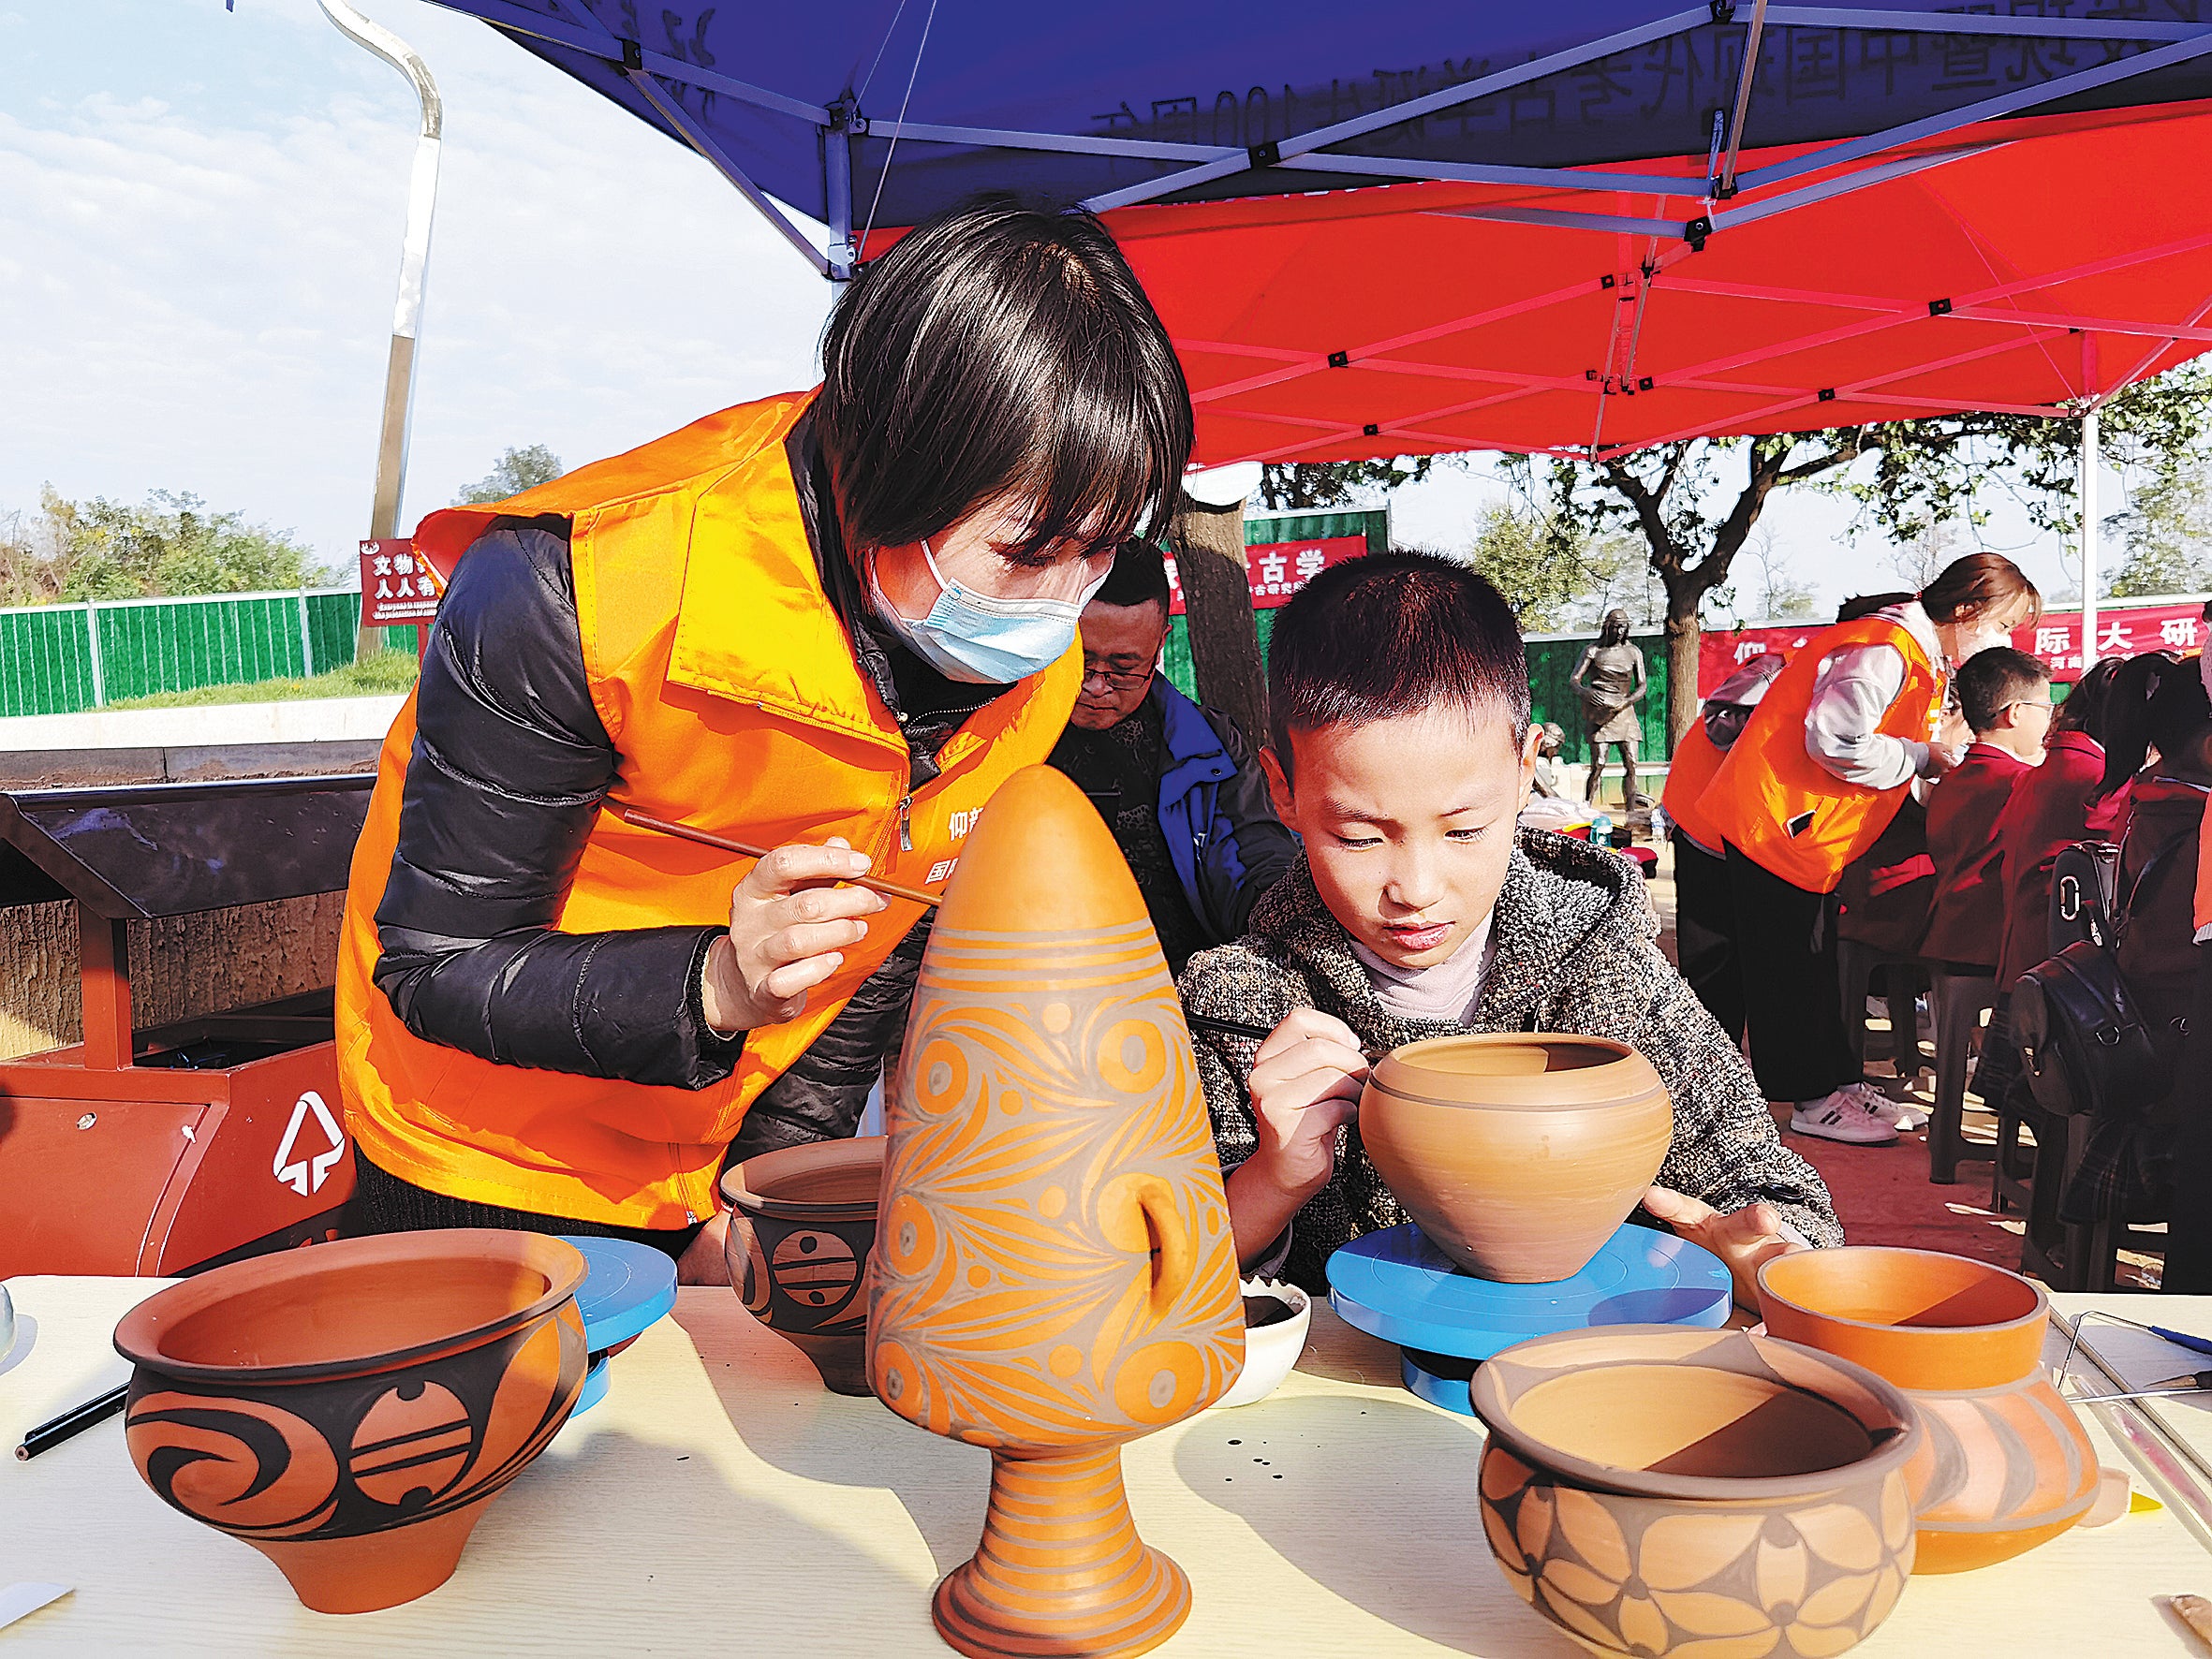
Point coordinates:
[(375, 1570), (1061, 1569)]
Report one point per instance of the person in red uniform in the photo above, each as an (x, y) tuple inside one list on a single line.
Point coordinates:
[(2006, 698)]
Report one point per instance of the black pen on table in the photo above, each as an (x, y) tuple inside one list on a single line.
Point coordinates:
[(75, 1421)]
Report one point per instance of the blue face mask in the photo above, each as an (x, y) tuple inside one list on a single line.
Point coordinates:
[(981, 641)]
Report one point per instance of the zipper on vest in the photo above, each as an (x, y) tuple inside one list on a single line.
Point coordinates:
[(905, 823)]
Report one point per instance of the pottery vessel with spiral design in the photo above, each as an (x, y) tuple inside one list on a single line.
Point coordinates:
[(1054, 1272), (802, 1223), (351, 1410)]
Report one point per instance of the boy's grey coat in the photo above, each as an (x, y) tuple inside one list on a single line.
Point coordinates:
[(1575, 951)]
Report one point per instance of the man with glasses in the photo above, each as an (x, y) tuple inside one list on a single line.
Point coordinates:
[(1177, 786)]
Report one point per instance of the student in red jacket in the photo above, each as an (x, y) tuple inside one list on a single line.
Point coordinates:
[(2050, 810), (2006, 698)]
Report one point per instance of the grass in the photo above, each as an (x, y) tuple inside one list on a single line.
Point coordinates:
[(387, 673)]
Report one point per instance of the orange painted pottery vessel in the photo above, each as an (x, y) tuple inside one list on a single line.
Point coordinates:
[(801, 1222), (2006, 1464), (351, 1410), (1054, 1272), (1651, 1491), (1517, 1155)]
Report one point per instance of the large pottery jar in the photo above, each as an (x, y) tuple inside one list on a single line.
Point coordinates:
[(1054, 1272), (1518, 1155), (1651, 1491), (801, 1222), (351, 1410), (2006, 1464)]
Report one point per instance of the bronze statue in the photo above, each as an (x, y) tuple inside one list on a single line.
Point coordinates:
[(1610, 680)]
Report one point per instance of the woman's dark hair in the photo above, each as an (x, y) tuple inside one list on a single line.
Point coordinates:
[(1990, 682), (1393, 634), (1138, 577), (995, 350), (1977, 584), (1860, 605), (2085, 707), (2155, 701)]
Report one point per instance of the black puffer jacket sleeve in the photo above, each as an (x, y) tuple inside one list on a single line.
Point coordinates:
[(509, 764)]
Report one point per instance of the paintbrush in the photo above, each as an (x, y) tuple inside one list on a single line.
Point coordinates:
[(889, 889)]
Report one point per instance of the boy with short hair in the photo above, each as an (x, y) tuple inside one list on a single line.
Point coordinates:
[(1401, 754), (2005, 696)]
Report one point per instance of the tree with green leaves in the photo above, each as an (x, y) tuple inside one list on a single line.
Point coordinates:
[(73, 551), (515, 471), (1556, 582), (1302, 486), (2167, 531), (1695, 503)]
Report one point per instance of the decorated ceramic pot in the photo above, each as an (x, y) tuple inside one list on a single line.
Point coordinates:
[(1054, 1272), (351, 1410), (1651, 1489), (2006, 1464), (1518, 1155), (801, 1222)]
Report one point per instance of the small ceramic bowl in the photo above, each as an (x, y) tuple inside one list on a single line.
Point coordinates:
[(802, 1223), (1651, 1489), (1270, 1350)]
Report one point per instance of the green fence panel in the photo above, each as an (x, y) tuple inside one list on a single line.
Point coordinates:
[(1551, 698), (1370, 522), (45, 661), (1174, 655)]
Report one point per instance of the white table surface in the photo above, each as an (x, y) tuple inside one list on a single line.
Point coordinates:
[(720, 1501)]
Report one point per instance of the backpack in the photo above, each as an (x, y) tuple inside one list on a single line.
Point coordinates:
[(2085, 1045)]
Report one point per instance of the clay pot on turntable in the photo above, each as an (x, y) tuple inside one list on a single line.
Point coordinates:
[(1651, 1489), (1055, 1273), (349, 1410), (1517, 1155), (2006, 1464), (801, 1222)]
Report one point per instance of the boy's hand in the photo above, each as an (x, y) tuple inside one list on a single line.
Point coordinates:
[(790, 925), (1746, 1239), (1305, 1085)]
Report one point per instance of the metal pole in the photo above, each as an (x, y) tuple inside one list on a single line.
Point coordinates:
[(2089, 501), (406, 316)]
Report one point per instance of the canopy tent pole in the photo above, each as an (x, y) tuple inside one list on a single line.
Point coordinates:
[(2091, 457), (414, 265)]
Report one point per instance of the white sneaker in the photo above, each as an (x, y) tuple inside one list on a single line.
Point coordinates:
[(1845, 1115), (1904, 1116)]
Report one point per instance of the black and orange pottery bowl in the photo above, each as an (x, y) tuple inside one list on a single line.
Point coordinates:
[(351, 1409), (801, 1222)]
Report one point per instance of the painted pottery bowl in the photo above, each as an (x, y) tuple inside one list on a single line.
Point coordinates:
[(1651, 1489), (1055, 1272), (2006, 1464), (801, 1222), (1271, 1351), (351, 1410), (1518, 1155)]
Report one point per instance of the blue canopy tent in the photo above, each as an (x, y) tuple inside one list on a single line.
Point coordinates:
[(1577, 229)]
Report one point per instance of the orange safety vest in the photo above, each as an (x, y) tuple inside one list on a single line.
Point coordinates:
[(728, 688), (1697, 758), (1784, 810)]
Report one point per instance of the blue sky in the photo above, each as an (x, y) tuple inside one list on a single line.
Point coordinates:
[(199, 222)]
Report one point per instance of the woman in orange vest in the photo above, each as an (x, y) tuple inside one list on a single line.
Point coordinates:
[(1820, 769), (829, 624)]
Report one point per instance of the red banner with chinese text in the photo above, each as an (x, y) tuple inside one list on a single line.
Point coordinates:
[(399, 587), (2124, 628), (1276, 570)]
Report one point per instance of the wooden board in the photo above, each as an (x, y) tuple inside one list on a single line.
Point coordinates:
[(720, 1502)]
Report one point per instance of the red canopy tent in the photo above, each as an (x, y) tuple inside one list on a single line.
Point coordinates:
[(2035, 265)]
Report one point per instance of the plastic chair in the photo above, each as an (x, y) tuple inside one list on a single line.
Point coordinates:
[(1959, 1002), (2012, 1173), (1902, 978)]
